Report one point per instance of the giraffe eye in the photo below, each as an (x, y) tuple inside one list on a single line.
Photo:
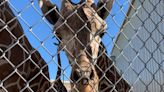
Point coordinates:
[(76, 75), (89, 50), (92, 75)]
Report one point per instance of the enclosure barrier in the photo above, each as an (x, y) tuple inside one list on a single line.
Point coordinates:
[(130, 57)]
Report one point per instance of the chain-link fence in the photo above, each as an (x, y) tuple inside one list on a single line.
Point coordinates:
[(129, 59), (139, 46)]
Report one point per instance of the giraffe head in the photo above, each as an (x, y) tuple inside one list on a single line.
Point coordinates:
[(78, 27)]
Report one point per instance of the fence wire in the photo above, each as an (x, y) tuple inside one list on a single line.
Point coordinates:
[(134, 41)]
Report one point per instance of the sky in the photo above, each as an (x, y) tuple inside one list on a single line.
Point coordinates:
[(40, 35)]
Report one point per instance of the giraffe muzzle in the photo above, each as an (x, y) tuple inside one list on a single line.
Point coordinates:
[(86, 77), (85, 81)]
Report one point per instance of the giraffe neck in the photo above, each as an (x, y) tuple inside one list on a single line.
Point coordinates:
[(20, 64), (112, 75)]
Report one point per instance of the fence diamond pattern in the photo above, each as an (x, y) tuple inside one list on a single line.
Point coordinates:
[(135, 47)]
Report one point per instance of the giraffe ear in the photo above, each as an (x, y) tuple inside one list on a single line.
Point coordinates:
[(97, 23), (88, 12), (49, 10), (103, 8)]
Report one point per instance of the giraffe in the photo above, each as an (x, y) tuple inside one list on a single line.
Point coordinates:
[(79, 27), (111, 81), (21, 66)]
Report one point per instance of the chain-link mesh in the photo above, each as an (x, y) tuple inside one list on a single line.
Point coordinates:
[(134, 42)]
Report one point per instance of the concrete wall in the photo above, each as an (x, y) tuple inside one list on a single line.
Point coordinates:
[(139, 47)]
